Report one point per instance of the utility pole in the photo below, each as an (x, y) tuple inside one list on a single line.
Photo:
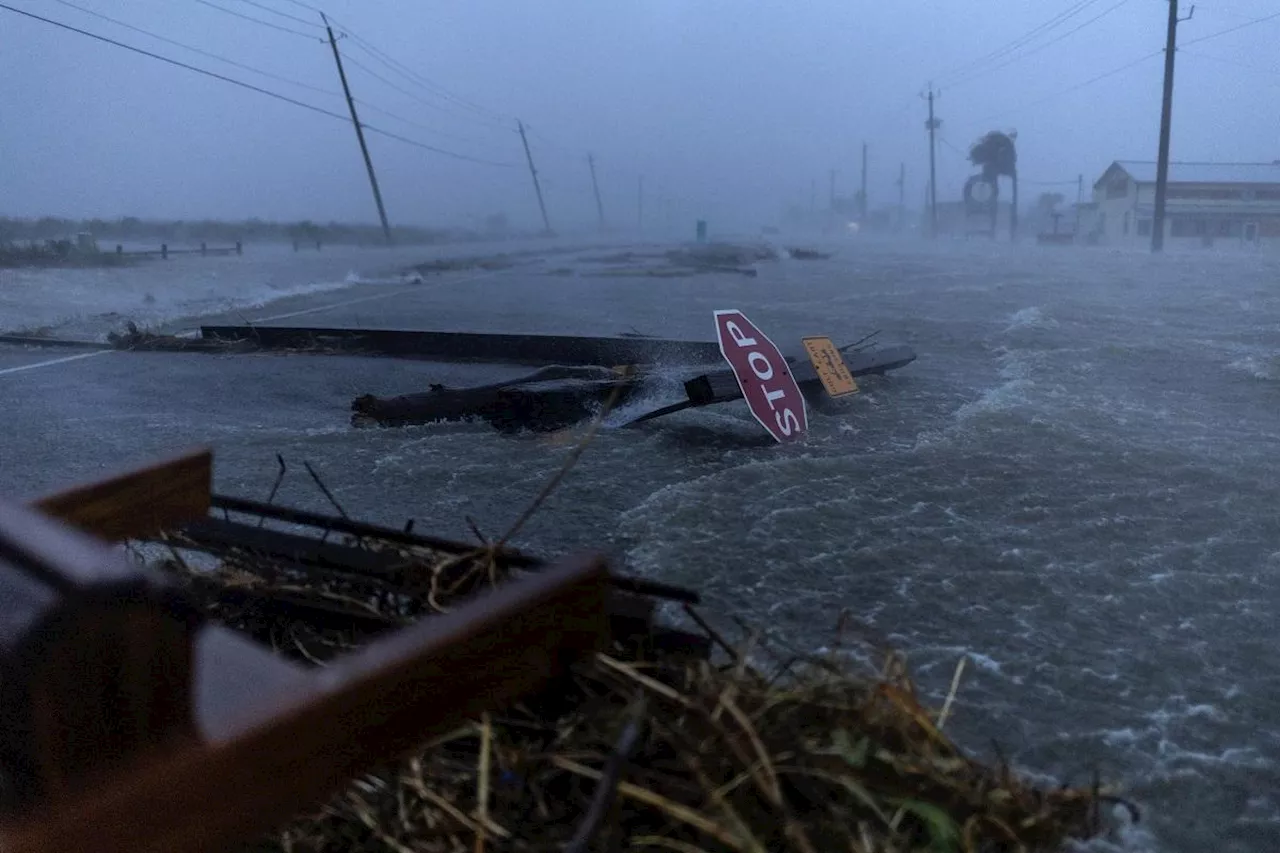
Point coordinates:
[(831, 192), (862, 198), (537, 188), (355, 120), (1079, 199), (595, 187), (813, 196), (640, 205), (1166, 114), (933, 124)]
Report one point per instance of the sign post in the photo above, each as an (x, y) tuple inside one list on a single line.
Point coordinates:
[(763, 375)]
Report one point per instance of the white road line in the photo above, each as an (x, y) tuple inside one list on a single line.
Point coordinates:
[(54, 361), (286, 316), (398, 292)]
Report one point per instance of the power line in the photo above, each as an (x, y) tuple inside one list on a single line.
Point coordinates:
[(397, 117), (421, 100), (406, 140), (266, 8), (1271, 17), (306, 6), (551, 143), (253, 88), (1030, 35), (982, 72), (1226, 61), (1074, 88), (258, 20), (420, 80), (200, 51), (472, 112), (947, 143), (367, 105)]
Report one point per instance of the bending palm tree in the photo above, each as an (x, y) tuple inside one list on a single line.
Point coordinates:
[(996, 155)]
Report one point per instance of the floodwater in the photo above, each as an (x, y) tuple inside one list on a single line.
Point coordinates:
[(1075, 486)]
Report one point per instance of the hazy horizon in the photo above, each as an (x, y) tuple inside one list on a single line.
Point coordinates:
[(730, 113)]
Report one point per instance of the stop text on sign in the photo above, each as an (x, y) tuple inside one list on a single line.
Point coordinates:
[(767, 385)]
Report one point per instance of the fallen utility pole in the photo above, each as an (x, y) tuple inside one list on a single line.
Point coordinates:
[(537, 188), (1166, 115), (595, 187), (355, 120)]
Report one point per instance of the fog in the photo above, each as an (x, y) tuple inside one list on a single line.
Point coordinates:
[(730, 110)]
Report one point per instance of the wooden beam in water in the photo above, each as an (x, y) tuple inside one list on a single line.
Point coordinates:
[(721, 386), (477, 347)]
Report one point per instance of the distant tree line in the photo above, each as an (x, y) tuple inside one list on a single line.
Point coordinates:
[(130, 228)]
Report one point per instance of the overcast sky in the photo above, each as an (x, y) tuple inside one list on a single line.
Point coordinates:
[(730, 108)]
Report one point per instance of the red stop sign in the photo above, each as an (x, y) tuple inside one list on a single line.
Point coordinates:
[(762, 373)]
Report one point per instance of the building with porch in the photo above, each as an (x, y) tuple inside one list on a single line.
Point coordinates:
[(1206, 204)]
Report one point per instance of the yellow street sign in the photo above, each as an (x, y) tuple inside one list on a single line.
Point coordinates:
[(831, 368)]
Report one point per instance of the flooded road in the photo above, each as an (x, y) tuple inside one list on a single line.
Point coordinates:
[(1076, 484)]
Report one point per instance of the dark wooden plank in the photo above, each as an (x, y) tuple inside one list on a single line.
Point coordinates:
[(477, 347), (362, 710), (360, 528), (218, 535), (139, 502), (721, 386), (65, 343)]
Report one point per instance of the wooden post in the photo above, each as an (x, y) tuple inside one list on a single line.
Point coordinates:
[(537, 187), (239, 248), (355, 121), (204, 250), (164, 251)]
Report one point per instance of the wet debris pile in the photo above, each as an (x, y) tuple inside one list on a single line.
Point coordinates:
[(136, 339), (651, 745), (697, 259), (807, 255)]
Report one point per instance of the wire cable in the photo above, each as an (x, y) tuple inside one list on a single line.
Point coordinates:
[(407, 93), (418, 79), (983, 72), (1223, 59), (200, 51), (1236, 28), (365, 105), (1076, 87), (1025, 38), (258, 20), (266, 8), (258, 89)]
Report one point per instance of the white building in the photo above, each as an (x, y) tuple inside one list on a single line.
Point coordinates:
[(1206, 204)]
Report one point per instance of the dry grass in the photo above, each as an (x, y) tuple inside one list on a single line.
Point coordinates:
[(724, 757)]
